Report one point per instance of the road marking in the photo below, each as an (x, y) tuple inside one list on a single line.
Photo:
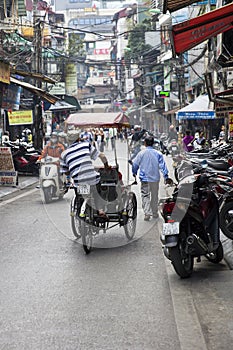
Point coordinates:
[(7, 201)]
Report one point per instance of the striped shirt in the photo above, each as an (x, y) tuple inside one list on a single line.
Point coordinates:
[(77, 159)]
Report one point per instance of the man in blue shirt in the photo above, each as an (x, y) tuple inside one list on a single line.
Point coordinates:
[(150, 162)]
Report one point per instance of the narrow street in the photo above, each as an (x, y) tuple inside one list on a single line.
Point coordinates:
[(121, 296)]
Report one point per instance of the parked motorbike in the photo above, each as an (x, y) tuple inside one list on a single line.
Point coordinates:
[(223, 188), (25, 162), (52, 183), (191, 227)]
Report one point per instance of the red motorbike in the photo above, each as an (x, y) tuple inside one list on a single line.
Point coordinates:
[(25, 162), (191, 227)]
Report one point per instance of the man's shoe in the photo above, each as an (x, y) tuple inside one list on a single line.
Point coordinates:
[(155, 216), (146, 217)]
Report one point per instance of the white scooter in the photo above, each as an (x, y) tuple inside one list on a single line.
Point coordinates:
[(52, 183)]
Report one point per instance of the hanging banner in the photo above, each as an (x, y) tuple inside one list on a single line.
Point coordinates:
[(189, 34), (20, 117), (8, 175)]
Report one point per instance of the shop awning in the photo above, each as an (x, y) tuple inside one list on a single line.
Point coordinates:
[(192, 32), (73, 101), (174, 5), (98, 120), (61, 106), (37, 76), (199, 109), (35, 90)]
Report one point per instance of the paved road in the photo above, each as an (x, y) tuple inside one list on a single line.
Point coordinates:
[(53, 296)]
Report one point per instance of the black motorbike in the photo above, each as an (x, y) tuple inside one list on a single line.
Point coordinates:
[(191, 227)]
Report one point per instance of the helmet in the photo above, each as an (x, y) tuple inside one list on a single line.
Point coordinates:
[(73, 135), (136, 127)]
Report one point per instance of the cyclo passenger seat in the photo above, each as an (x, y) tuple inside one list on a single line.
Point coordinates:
[(110, 179)]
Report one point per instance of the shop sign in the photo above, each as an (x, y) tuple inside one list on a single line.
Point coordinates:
[(11, 97), (4, 73), (71, 79), (20, 117), (222, 109), (8, 175), (101, 51)]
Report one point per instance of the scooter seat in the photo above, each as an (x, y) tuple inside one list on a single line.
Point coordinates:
[(218, 164)]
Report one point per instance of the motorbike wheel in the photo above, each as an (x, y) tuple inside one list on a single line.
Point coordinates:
[(226, 220), (48, 192), (182, 262), (217, 256), (75, 220)]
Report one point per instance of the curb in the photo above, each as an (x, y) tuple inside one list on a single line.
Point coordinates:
[(228, 250)]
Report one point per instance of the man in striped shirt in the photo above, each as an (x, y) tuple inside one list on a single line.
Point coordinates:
[(77, 161)]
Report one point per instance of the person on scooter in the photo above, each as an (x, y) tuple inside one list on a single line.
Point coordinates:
[(53, 148), (76, 161)]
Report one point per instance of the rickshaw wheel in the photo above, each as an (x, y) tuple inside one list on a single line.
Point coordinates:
[(75, 220), (86, 230), (87, 237), (131, 208)]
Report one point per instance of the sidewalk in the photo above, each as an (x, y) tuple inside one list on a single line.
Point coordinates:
[(24, 182)]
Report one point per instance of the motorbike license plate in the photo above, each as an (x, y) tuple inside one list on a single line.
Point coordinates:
[(174, 148), (171, 228), (83, 189)]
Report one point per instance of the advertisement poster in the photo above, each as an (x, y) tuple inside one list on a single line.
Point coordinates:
[(230, 124), (20, 117), (8, 175)]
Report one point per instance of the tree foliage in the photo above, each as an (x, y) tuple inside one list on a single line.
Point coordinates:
[(136, 42), (75, 46)]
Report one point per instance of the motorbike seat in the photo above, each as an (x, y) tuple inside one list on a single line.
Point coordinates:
[(218, 164)]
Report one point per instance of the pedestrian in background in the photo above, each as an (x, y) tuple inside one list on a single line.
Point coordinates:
[(187, 141), (150, 162)]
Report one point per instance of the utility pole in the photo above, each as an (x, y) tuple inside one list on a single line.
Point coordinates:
[(181, 83), (37, 68)]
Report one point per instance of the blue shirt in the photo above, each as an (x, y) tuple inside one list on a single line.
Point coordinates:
[(150, 162)]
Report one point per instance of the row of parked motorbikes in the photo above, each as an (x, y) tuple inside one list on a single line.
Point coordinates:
[(200, 205)]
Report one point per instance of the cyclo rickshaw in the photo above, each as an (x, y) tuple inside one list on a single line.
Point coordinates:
[(121, 202)]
